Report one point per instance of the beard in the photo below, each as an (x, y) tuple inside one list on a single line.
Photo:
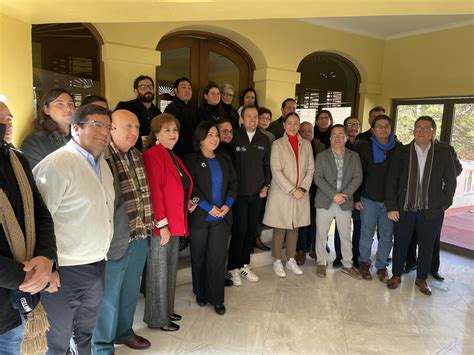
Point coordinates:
[(146, 97)]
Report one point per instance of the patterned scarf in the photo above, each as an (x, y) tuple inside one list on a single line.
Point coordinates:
[(135, 191)]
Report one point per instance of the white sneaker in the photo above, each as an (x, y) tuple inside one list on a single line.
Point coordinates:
[(278, 268), (234, 275), (248, 274), (293, 267)]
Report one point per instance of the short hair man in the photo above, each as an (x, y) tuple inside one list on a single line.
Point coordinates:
[(276, 127), (181, 109), (226, 134), (96, 100), (421, 182), (142, 106), (6, 118), (77, 187), (264, 121), (374, 112), (338, 175), (128, 249), (322, 127)]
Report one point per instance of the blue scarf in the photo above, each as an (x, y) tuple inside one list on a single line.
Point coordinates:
[(379, 149)]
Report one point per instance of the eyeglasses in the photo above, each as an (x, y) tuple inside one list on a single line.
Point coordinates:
[(338, 135), (226, 94), (98, 124), (63, 105), (149, 87), (353, 125), (382, 127), (423, 129)]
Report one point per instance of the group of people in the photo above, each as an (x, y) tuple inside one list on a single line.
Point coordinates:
[(112, 194)]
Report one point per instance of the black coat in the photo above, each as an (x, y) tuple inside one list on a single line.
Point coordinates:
[(231, 114), (209, 113), (199, 169), (187, 120), (11, 271), (276, 127)]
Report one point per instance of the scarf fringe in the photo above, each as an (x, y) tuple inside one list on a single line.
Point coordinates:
[(36, 325)]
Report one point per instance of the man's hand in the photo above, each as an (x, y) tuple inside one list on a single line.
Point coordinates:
[(263, 192), (393, 216), (54, 283), (358, 205), (339, 198), (165, 235), (41, 268)]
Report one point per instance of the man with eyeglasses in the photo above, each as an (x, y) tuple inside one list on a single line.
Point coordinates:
[(420, 186), (374, 112), (78, 189), (142, 106)]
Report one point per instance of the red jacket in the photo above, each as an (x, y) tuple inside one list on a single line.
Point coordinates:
[(167, 194)]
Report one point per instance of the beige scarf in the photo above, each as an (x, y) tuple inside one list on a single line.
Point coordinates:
[(36, 324)]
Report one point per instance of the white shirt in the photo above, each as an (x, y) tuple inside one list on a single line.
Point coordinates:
[(251, 134), (422, 156)]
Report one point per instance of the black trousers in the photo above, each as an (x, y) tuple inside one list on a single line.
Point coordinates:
[(426, 230), (208, 244), (355, 239), (307, 234), (246, 210)]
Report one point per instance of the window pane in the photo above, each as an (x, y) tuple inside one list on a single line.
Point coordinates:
[(223, 71), (406, 116)]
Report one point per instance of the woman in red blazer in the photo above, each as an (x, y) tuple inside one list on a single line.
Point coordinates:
[(171, 186)]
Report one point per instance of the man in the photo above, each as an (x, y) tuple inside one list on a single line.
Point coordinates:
[(77, 187), (6, 118), (251, 156), (264, 121), (338, 175), (143, 106), (96, 100), (375, 157), (276, 127), (322, 127), (128, 249), (180, 108), (25, 221), (421, 182), (374, 112)]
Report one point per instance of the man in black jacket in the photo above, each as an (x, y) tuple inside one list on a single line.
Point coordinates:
[(276, 127), (143, 106), (181, 109), (421, 182), (374, 112), (251, 156)]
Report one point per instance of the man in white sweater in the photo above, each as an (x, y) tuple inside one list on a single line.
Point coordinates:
[(77, 187)]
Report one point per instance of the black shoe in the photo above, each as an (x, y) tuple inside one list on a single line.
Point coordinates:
[(409, 269), (171, 327), (220, 309), (228, 282), (436, 275), (356, 264), (200, 301), (337, 263), (175, 317)]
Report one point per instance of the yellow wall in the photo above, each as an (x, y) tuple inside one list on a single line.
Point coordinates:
[(16, 73)]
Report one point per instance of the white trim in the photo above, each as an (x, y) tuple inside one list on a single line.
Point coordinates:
[(162, 223), (431, 29)]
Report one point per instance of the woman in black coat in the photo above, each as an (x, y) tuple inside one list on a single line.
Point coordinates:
[(214, 191)]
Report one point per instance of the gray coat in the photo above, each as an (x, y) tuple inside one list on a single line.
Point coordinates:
[(325, 177), (39, 144)]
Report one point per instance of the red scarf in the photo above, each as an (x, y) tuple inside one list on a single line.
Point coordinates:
[(294, 144)]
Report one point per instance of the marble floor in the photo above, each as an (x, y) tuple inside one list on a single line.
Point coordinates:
[(309, 315)]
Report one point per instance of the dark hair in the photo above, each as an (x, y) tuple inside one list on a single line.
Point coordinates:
[(140, 78), (179, 80), (289, 115), (337, 125), (376, 109), (91, 99), (263, 110), (326, 112), (83, 112), (43, 121), (349, 118), (380, 117), (248, 107), (287, 100), (245, 92), (206, 92), (155, 126), (201, 132), (426, 118), (223, 120)]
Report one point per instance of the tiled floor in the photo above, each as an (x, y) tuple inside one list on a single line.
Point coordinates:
[(340, 315)]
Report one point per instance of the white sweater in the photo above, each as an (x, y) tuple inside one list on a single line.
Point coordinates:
[(82, 207)]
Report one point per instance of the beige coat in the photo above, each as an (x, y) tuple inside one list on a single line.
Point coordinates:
[(282, 209)]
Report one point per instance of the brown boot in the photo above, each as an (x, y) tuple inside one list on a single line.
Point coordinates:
[(300, 257), (423, 286), (364, 270), (394, 282), (312, 254), (383, 275)]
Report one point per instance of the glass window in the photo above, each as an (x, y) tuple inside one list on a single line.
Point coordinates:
[(406, 116)]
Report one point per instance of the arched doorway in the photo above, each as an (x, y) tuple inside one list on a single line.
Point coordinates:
[(68, 56), (203, 57), (328, 82)]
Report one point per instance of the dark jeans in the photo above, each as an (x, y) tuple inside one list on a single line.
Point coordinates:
[(208, 253), (246, 210), (355, 239), (427, 230)]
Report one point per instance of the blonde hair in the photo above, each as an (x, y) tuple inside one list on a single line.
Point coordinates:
[(156, 125)]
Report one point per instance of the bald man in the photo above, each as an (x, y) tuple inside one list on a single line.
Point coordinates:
[(129, 247), (6, 117)]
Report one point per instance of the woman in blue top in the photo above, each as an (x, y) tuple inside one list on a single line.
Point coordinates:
[(214, 191)]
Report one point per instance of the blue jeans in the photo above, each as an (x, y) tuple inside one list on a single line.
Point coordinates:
[(11, 340), (371, 214)]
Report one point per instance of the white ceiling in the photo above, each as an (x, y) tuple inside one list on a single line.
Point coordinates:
[(391, 27)]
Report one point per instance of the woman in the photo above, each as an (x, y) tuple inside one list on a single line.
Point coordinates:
[(292, 167), (210, 110), (230, 113), (215, 187), (322, 127), (170, 186), (248, 97), (52, 126)]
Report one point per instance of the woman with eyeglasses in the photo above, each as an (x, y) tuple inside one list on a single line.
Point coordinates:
[(230, 113), (52, 126), (170, 187), (210, 110)]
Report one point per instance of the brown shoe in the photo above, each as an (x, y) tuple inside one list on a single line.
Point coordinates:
[(321, 270), (312, 254), (300, 257), (364, 270), (383, 275), (423, 286), (352, 272), (137, 342), (259, 244), (394, 282)]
